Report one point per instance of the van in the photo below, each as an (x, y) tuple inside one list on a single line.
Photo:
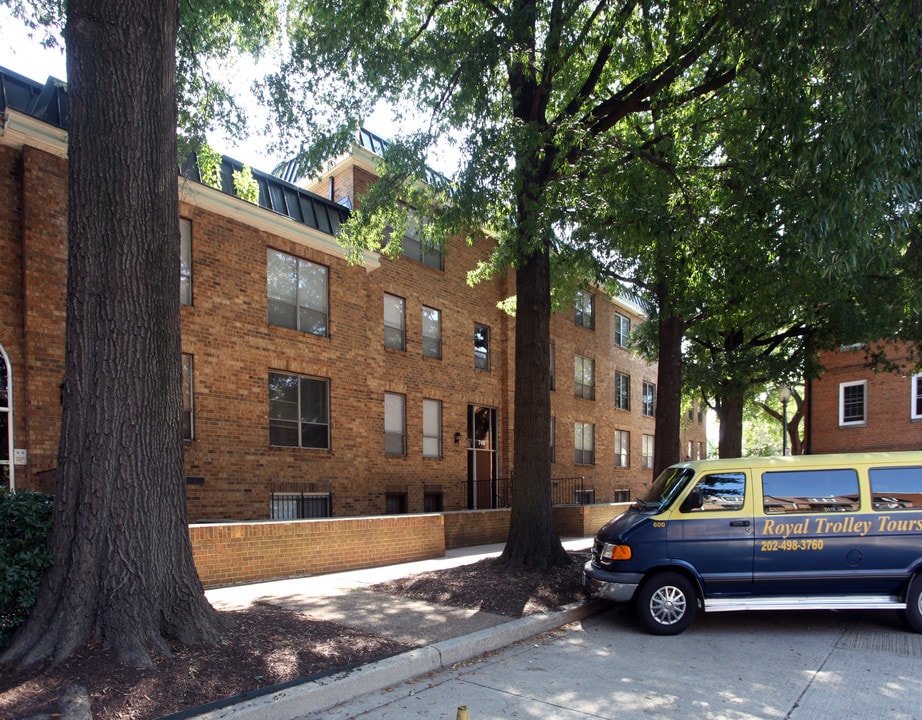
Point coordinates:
[(786, 533)]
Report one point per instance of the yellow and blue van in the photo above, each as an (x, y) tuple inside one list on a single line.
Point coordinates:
[(784, 533)]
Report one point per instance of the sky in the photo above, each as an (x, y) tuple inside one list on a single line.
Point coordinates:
[(26, 56)]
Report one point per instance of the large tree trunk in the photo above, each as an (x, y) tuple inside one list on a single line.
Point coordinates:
[(533, 540), (667, 448), (123, 571), (730, 417)]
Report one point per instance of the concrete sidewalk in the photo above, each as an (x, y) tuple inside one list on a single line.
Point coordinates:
[(442, 635)]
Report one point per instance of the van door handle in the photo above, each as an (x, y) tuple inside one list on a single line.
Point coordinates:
[(739, 523)]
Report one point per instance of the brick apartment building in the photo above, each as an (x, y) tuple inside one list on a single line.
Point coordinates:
[(853, 408), (314, 387)]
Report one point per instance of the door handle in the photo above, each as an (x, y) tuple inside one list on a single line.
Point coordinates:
[(739, 523)]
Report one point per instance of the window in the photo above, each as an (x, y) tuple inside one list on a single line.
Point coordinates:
[(721, 491), (187, 429), (584, 378), (916, 397), (394, 322), (432, 428), (646, 452), (810, 491), (432, 333), (622, 448), (298, 506), (553, 445), (584, 442), (689, 449), (852, 403), (395, 424), (6, 421), (622, 391), (898, 488), (622, 330), (699, 454), (299, 411), (481, 347), (583, 306), (415, 248), (298, 293), (185, 261), (649, 399), (553, 369)]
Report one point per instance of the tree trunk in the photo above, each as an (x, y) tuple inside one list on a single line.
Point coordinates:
[(730, 417), (123, 572), (667, 448)]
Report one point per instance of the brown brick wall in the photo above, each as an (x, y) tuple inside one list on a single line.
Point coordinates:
[(889, 424), (234, 348)]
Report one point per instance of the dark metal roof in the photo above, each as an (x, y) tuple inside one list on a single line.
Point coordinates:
[(377, 145), (48, 103)]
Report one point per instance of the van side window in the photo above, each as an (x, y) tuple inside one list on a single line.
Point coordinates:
[(810, 491), (721, 491), (896, 488)]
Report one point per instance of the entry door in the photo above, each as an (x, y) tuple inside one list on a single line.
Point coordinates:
[(481, 457)]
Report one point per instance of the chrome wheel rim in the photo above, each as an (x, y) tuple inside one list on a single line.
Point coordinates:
[(668, 605)]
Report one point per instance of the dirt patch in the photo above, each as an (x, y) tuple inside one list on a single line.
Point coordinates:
[(266, 645)]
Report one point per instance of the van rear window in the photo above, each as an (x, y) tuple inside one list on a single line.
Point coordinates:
[(810, 491), (896, 488)]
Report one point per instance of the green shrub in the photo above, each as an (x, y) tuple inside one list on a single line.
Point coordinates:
[(25, 521)]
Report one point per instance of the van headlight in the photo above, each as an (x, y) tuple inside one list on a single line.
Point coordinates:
[(611, 551)]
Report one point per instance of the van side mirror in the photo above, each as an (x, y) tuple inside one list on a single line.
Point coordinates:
[(694, 501)]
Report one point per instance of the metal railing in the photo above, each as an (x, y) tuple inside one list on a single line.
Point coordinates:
[(497, 493)]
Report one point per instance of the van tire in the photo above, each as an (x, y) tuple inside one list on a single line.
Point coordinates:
[(913, 612), (666, 604)]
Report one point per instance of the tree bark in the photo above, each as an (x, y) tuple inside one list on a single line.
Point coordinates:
[(123, 571), (667, 448), (730, 417)]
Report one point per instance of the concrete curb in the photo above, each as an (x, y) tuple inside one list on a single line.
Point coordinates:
[(319, 694)]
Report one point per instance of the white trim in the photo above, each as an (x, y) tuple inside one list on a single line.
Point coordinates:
[(864, 401), (915, 395), (9, 410), (18, 129)]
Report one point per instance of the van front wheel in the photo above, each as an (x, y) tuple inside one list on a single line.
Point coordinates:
[(666, 603), (913, 613)]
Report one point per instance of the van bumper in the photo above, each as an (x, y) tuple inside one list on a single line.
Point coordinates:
[(619, 587)]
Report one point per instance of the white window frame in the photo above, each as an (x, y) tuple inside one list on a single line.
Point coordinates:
[(622, 383), (584, 443), (395, 322), (188, 398), (432, 332), (432, 428), (584, 309), (314, 304), (185, 263), (843, 387), (622, 330), (915, 410), (622, 448), (584, 377), (395, 424), (648, 399), (646, 460)]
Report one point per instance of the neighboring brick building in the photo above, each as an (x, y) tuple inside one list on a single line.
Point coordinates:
[(853, 408), (314, 387)]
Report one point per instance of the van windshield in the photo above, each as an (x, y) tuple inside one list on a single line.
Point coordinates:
[(666, 488)]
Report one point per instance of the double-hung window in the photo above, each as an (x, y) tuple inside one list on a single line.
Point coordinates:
[(298, 293), (415, 248), (622, 448), (185, 261), (584, 442), (622, 330), (432, 333), (481, 347), (646, 458), (187, 424), (583, 309), (395, 424), (299, 411), (584, 378), (649, 399), (395, 322), (916, 397), (432, 428), (622, 391), (853, 403)]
